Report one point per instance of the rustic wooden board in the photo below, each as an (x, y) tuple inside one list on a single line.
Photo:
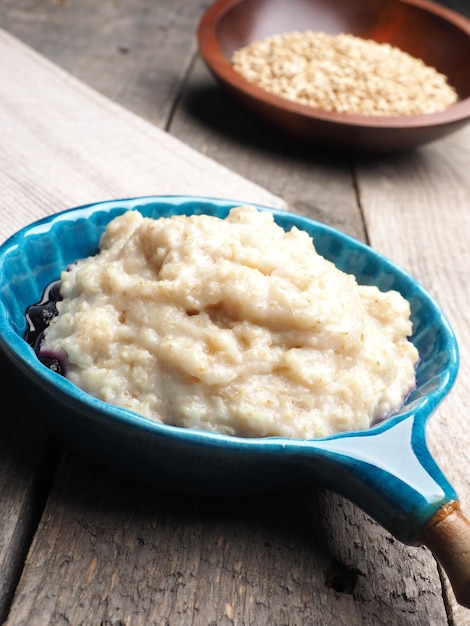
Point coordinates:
[(339, 542), (460, 6), (135, 53), (27, 464), (283, 166), (312, 181), (185, 559), (64, 144), (122, 555), (417, 212)]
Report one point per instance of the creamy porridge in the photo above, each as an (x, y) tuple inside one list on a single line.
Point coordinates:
[(233, 326)]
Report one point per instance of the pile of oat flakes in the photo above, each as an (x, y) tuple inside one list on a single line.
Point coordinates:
[(344, 73)]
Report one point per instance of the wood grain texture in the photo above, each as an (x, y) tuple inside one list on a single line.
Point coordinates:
[(108, 553), (337, 560), (417, 212), (65, 145), (328, 195), (312, 181), (460, 6), (136, 53), (125, 556), (27, 463)]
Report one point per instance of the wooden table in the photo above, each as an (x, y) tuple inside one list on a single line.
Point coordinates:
[(77, 545)]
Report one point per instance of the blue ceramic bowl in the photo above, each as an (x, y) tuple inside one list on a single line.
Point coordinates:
[(386, 470)]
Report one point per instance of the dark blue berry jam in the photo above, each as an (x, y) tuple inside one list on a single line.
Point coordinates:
[(38, 317)]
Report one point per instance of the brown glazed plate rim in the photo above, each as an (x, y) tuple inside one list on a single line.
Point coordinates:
[(222, 68)]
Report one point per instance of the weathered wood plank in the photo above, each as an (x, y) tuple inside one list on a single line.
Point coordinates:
[(393, 584), (26, 467), (328, 525), (64, 144), (417, 212), (320, 185), (136, 53), (313, 182), (460, 6), (123, 555)]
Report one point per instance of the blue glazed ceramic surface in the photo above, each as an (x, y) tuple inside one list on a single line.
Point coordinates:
[(386, 470)]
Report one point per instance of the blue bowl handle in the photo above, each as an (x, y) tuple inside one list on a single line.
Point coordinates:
[(390, 474)]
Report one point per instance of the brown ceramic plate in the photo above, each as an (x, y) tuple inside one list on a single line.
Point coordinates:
[(440, 37)]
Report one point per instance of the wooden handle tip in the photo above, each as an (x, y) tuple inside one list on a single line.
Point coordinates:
[(447, 535)]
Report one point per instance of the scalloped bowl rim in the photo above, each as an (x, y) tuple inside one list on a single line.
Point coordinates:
[(26, 361)]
